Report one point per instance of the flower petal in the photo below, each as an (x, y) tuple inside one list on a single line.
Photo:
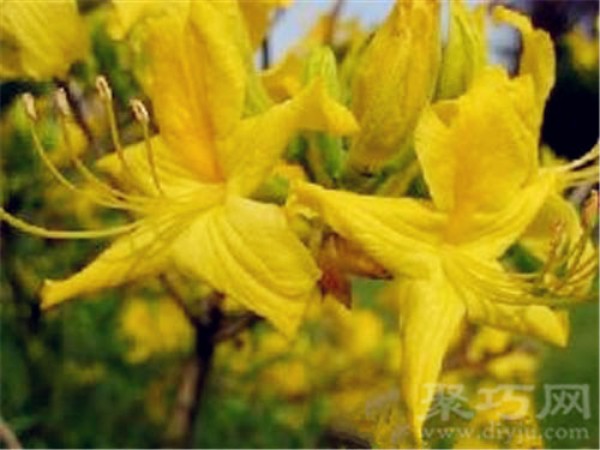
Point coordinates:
[(40, 40), (400, 234), (198, 82), (393, 86), (254, 149), (257, 15), (491, 234), (173, 177), (430, 317), (247, 251), (534, 320), (537, 58), (494, 298), (479, 150), (142, 253)]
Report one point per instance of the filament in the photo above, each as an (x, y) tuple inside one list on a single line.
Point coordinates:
[(141, 114), (116, 197), (106, 96), (63, 234)]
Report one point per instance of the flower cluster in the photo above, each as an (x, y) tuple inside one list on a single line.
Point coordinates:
[(402, 155)]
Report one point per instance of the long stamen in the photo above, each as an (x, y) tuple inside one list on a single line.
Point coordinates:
[(141, 115), (63, 234), (114, 195), (556, 242), (106, 96), (588, 157), (37, 144)]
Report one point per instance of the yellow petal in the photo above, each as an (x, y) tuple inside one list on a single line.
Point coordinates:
[(537, 58), (489, 235), (479, 150), (247, 251), (258, 14), (284, 79), (163, 167), (198, 82), (393, 84), (255, 147), (430, 317), (127, 13), (400, 234), (140, 254), (535, 320), (494, 298), (465, 53), (40, 39)]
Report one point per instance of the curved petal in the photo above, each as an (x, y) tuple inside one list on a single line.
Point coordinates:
[(141, 253), (430, 316), (537, 59), (198, 82), (489, 235), (40, 40), (247, 251), (257, 15), (255, 147), (479, 150), (534, 320), (400, 234), (493, 298)]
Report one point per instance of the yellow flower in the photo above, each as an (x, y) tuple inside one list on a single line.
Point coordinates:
[(479, 158), (40, 39), (394, 82), (189, 187)]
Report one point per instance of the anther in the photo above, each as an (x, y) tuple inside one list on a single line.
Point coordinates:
[(141, 115), (62, 103), (589, 211), (103, 88), (139, 111), (29, 104)]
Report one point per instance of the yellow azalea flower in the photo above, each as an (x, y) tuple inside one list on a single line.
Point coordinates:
[(392, 85), (153, 327), (465, 53), (40, 39), (189, 187), (479, 159)]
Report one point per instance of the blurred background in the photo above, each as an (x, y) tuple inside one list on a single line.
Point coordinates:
[(111, 371)]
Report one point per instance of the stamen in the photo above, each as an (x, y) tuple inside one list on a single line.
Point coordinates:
[(586, 158), (105, 94), (556, 242), (37, 144), (62, 234), (29, 104), (589, 211), (116, 198), (141, 115)]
